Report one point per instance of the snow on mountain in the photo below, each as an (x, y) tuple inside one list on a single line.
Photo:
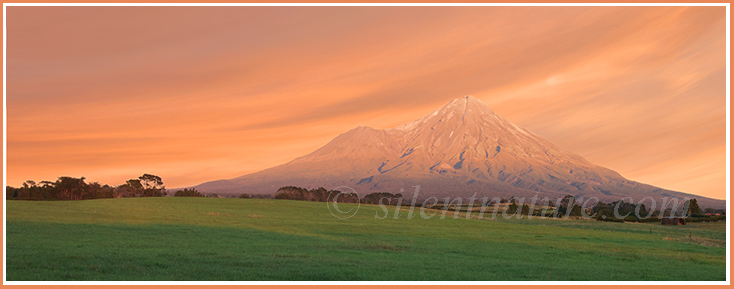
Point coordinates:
[(459, 149)]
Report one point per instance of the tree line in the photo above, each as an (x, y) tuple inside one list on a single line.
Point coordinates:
[(315, 195), (322, 195), (148, 185), (567, 207), (192, 192), (71, 188)]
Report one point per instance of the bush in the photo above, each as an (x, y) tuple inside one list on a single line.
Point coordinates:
[(314, 195), (387, 198), (188, 193)]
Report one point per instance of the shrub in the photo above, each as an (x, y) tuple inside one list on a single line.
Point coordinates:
[(188, 193)]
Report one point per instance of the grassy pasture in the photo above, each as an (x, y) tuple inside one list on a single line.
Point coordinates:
[(252, 239)]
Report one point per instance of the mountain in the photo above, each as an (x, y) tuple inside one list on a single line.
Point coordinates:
[(460, 149)]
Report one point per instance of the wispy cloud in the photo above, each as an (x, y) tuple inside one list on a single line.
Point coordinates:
[(112, 92)]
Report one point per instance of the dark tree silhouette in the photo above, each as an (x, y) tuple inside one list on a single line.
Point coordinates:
[(188, 193), (71, 188), (152, 185), (692, 207)]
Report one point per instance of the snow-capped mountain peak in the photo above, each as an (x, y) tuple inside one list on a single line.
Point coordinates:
[(461, 148)]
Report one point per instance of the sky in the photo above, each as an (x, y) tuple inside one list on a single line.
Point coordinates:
[(195, 94)]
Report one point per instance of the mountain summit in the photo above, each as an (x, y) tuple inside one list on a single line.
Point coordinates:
[(459, 149)]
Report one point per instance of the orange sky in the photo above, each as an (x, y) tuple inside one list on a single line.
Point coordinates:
[(195, 94)]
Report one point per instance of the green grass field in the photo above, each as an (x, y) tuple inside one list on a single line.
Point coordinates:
[(250, 239)]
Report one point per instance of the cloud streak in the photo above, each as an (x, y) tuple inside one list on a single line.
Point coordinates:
[(201, 93)]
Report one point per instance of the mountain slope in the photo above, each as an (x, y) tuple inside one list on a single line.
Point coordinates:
[(460, 149)]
